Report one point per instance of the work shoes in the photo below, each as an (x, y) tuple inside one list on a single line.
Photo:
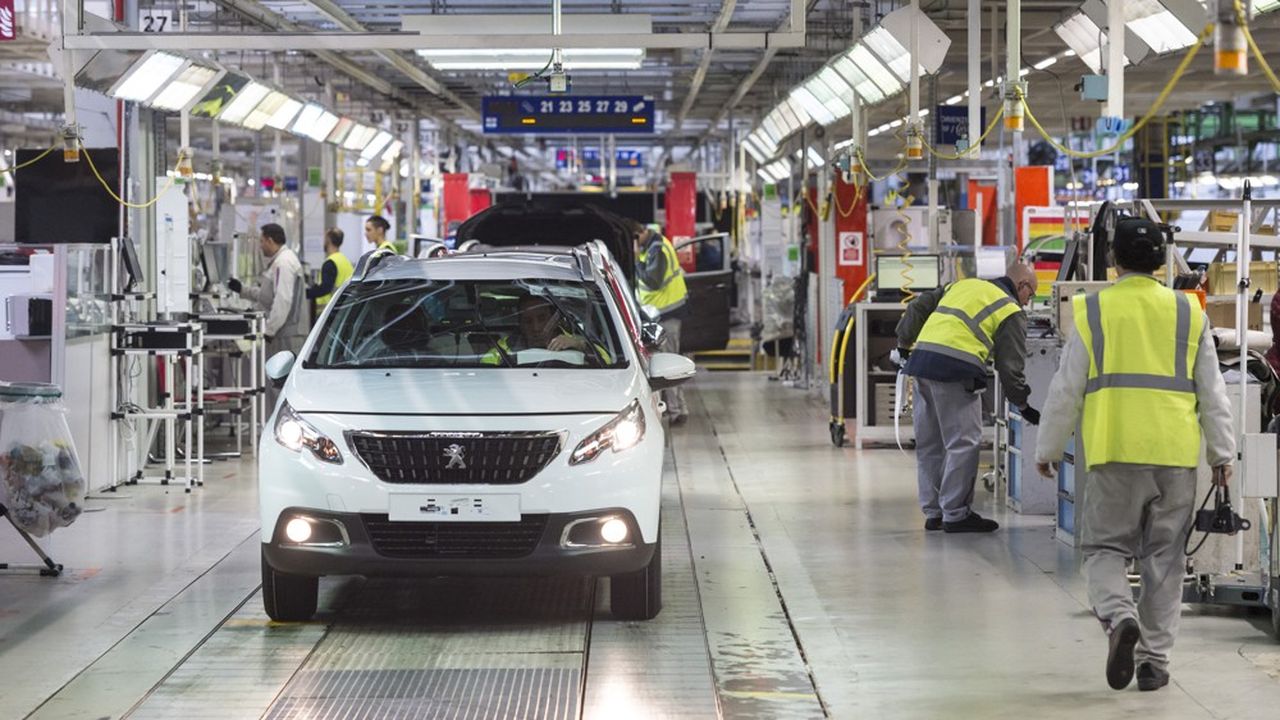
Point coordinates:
[(974, 523), (1151, 677), (933, 523), (1124, 636)]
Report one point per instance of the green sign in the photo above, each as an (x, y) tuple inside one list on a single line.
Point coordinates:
[(314, 178)]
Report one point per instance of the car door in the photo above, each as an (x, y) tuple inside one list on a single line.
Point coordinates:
[(706, 323)]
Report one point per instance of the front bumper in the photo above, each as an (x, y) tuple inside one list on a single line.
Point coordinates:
[(359, 554)]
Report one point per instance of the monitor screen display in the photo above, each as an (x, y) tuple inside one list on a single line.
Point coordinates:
[(129, 253), (58, 202), (914, 272)]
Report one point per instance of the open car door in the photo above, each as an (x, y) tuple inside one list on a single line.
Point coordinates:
[(711, 290)]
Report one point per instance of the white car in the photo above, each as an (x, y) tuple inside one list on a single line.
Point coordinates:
[(489, 413)]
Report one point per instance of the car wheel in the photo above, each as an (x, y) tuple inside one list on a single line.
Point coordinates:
[(638, 595), (288, 598)]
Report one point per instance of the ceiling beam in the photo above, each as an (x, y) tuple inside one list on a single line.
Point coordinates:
[(337, 14), (700, 75)]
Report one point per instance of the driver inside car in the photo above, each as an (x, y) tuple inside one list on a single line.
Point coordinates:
[(541, 326)]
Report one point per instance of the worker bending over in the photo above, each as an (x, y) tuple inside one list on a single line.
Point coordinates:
[(1142, 367), (946, 336), (662, 286)]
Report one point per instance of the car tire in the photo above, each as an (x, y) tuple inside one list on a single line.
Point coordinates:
[(638, 595), (288, 598)]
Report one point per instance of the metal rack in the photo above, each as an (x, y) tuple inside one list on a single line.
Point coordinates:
[(223, 331), (171, 343)]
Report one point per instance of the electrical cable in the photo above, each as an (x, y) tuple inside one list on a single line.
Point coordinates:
[(535, 76), (1257, 53), (865, 171), (1142, 121), (32, 161), (134, 206)]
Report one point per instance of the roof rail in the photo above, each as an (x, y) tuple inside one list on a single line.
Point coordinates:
[(371, 260)]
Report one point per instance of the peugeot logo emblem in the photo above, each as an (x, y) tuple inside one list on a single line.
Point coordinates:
[(454, 453)]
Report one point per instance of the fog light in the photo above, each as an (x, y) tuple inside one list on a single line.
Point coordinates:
[(298, 530), (613, 531)]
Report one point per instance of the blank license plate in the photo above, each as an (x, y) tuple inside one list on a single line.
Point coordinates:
[(403, 507)]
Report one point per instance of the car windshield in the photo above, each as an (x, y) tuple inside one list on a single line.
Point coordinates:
[(423, 323)]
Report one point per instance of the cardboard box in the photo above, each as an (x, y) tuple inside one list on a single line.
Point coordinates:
[(1222, 312), (1262, 276)]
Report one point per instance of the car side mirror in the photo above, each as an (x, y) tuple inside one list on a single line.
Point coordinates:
[(279, 366), (652, 335), (667, 370)]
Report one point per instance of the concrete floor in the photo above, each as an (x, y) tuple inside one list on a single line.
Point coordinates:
[(798, 583)]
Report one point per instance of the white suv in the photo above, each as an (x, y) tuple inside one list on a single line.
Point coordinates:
[(478, 414)]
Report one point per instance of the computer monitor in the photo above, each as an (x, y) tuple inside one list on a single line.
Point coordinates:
[(129, 254), (914, 272), (210, 261)]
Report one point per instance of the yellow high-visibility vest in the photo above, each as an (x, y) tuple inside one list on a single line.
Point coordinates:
[(1140, 400), (345, 271), (386, 245), (964, 324), (673, 292)]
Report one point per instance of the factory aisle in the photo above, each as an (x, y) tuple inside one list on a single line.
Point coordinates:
[(798, 583)]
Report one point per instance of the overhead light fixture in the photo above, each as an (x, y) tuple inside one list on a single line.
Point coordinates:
[(1082, 32), (954, 100), (359, 137), (862, 84), (244, 102), (148, 76), (813, 106), (284, 114), (315, 122), (479, 58), (219, 96), (185, 87), (1165, 25), (815, 159), (375, 146), (265, 110), (340, 131)]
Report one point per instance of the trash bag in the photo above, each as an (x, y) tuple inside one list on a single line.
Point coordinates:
[(40, 479)]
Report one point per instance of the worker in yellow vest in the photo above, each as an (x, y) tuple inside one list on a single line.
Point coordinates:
[(375, 232), (1141, 375), (334, 273), (661, 286), (946, 336)]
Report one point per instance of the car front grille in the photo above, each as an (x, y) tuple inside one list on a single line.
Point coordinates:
[(476, 540), (458, 458)]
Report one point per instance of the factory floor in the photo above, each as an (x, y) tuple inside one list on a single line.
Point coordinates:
[(798, 583)]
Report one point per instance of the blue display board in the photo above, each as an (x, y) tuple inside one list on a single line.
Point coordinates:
[(951, 122), (567, 114)]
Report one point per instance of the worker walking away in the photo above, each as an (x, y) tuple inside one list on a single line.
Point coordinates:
[(375, 233), (334, 273), (662, 286), (1141, 373), (945, 338), (278, 293)]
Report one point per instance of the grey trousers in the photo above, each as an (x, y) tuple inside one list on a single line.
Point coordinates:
[(673, 397), (1143, 512), (948, 426)]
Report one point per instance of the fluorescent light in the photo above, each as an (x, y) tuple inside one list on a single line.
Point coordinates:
[(812, 105), (873, 133), (954, 100), (533, 58), (315, 122), (890, 51), (375, 146), (393, 150), (875, 69), (867, 90), (1159, 28), (284, 114), (341, 130), (1047, 62), (359, 137), (815, 159), (243, 103), (147, 76), (263, 111), (186, 87)]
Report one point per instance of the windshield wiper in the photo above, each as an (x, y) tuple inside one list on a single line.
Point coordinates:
[(592, 340)]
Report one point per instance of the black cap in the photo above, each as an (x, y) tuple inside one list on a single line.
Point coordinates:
[(1138, 231)]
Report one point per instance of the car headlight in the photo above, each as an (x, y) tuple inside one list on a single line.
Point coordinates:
[(294, 433), (623, 432)]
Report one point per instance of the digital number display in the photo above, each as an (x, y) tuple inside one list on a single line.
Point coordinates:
[(596, 114)]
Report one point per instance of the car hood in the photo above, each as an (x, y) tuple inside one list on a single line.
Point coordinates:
[(463, 392)]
